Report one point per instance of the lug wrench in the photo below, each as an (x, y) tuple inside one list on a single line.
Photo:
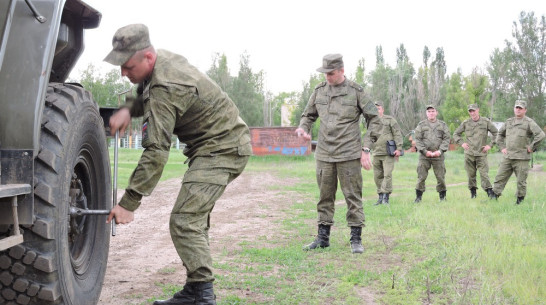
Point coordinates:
[(115, 187)]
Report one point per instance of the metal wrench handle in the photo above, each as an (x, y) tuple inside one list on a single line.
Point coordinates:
[(115, 187)]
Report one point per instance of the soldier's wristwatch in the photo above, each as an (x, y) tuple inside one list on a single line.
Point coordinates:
[(366, 149)]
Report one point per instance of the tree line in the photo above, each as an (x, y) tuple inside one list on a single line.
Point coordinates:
[(518, 71)]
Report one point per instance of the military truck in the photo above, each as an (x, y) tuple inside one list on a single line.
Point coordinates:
[(55, 167)]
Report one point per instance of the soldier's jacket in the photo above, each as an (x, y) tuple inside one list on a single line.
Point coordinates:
[(179, 99), (518, 134), (476, 134), (390, 130), (432, 137), (339, 108)]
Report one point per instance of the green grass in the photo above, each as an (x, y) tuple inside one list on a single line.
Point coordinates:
[(461, 251)]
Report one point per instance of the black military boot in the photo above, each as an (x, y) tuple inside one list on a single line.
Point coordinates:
[(490, 193), (473, 193), (380, 200), (386, 198), (442, 195), (322, 240), (494, 195), (419, 196), (356, 240), (520, 199), (196, 293)]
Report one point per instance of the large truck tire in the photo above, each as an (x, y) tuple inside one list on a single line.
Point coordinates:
[(63, 258)]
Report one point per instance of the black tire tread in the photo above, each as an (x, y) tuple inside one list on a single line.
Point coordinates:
[(28, 272)]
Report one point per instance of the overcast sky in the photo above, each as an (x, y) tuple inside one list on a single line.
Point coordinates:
[(287, 39)]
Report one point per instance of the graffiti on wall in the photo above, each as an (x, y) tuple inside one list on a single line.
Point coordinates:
[(278, 141)]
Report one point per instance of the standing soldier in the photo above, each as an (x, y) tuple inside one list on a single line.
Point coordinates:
[(432, 141), (340, 151), (476, 130), (517, 139), (383, 163)]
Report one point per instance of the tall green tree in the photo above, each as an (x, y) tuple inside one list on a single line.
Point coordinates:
[(246, 89), (360, 74), (528, 71), (402, 98), (478, 90), (219, 72), (378, 79), (248, 93), (502, 95), (454, 109), (307, 91), (105, 89)]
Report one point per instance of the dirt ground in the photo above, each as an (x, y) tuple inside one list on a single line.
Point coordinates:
[(142, 254)]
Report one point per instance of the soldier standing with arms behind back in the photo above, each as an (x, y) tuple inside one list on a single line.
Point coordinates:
[(175, 98), (432, 141), (518, 138), (383, 163), (340, 151), (476, 130)]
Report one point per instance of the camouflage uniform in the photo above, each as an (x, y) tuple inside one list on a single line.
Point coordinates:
[(431, 136), (516, 135), (178, 99), (476, 134), (339, 147), (383, 164)]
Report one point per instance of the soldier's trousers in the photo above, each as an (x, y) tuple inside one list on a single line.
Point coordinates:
[(472, 164), (382, 173), (439, 169), (350, 179), (203, 183), (506, 168)]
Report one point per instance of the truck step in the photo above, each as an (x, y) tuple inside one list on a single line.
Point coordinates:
[(10, 241), (10, 190)]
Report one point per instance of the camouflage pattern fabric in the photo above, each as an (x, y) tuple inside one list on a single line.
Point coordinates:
[(383, 164), (390, 130), (180, 100), (439, 168), (339, 146), (339, 108), (473, 164), (382, 173), (350, 180), (476, 136), (516, 135), (431, 136), (190, 217)]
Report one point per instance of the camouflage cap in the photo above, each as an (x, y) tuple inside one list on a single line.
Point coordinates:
[(331, 62), (378, 103), (431, 106), (521, 103), (126, 42), (473, 107)]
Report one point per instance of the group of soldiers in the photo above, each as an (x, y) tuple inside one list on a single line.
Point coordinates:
[(517, 139), (339, 103), (174, 97)]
